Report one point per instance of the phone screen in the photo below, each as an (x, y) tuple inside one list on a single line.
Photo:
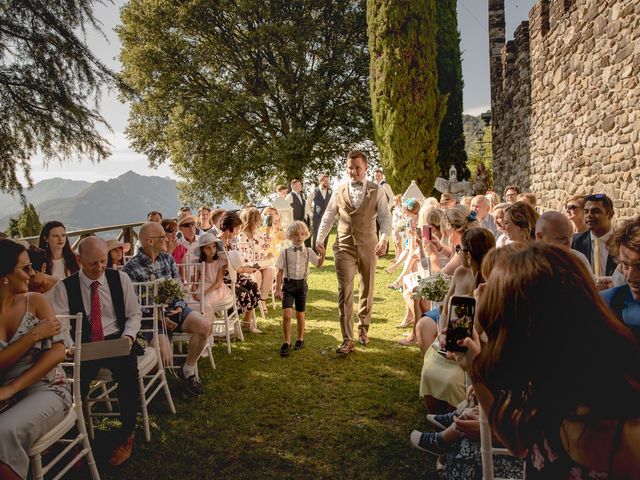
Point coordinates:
[(462, 311), (426, 232)]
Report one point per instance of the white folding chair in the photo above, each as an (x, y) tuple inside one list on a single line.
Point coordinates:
[(225, 312), (194, 283), (74, 418), (247, 250), (151, 374), (487, 451)]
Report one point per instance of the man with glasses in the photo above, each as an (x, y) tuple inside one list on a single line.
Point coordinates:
[(153, 262), (511, 194), (598, 212)]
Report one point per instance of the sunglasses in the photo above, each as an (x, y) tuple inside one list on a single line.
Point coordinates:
[(570, 208), (461, 249), (188, 225), (170, 231)]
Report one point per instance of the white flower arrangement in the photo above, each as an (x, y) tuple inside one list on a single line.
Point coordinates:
[(433, 288)]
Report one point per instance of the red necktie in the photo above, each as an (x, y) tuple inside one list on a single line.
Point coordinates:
[(96, 315)]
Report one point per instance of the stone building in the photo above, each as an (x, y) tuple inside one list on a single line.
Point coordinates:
[(565, 99)]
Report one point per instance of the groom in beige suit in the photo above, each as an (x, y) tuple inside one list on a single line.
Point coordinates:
[(357, 205)]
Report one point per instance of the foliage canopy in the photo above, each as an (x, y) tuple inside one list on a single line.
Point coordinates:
[(239, 95)]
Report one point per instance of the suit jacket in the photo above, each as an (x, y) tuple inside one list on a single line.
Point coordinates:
[(582, 243)]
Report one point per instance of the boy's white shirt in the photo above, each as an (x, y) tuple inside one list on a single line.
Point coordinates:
[(297, 261)]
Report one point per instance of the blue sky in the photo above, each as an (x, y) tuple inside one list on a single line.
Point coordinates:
[(472, 20)]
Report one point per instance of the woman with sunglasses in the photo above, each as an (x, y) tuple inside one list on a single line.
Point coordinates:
[(574, 209), (34, 396), (442, 383)]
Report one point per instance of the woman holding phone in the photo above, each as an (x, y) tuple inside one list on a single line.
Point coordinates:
[(559, 374), (442, 382)]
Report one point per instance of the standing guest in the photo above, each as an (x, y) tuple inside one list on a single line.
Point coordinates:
[(598, 212), (528, 197), (380, 180), (298, 202), (153, 262), (357, 204), (447, 201), (216, 217), (31, 347), (574, 208), (189, 238), (625, 299), (154, 216), (494, 199), (174, 248), (117, 250), (291, 285), (481, 182), (316, 205), (61, 261), (110, 310), (214, 267), (204, 218), (520, 222), (511, 194), (480, 204), (556, 411), (282, 191), (247, 291)]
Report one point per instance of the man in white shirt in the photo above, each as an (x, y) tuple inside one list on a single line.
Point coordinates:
[(480, 204), (316, 205), (358, 204), (110, 310)]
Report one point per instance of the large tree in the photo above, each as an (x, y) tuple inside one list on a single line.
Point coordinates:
[(27, 224), (451, 143), (49, 85), (407, 105), (240, 94)]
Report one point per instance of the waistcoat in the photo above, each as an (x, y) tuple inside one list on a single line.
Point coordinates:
[(357, 226)]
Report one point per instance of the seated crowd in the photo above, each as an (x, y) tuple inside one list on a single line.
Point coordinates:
[(553, 358), (550, 288), (97, 279)]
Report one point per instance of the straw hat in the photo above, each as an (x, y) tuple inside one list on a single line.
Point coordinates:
[(204, 239), (111, 244), (185, 217)]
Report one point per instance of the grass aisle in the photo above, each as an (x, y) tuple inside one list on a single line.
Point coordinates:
[(313, 415)]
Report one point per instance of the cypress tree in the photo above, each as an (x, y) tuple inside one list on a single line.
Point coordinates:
[(451, 144), (406, 102)]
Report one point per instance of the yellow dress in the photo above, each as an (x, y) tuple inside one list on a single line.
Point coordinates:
[(442, 378)]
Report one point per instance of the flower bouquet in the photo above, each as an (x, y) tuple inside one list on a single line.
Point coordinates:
[(168, 289), (433, 288)]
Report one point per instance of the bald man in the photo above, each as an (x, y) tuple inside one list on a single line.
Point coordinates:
[(110, 310), (153, 262)]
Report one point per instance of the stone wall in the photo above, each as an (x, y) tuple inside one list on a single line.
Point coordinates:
[(566, 101)]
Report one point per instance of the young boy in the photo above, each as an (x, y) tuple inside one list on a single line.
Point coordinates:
[(293, 267)]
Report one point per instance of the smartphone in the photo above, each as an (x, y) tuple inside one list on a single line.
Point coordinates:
[(412, 225), (267, 221), (462, 311), (426, 232)]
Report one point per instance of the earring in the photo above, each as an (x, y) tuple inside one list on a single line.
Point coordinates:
[(6, 281)]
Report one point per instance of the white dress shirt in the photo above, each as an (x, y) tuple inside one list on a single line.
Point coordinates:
[(356, 195), (604, 253), (60, 303), (297, 261)]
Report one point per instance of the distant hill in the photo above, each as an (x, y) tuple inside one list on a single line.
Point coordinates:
[(41, 192)]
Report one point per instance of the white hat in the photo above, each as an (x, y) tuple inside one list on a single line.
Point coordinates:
[(185, 217), (204, 239)]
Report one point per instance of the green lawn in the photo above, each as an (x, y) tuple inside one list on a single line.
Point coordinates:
[(312, 415)]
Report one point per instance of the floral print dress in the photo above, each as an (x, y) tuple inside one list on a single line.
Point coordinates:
[(247, 291)]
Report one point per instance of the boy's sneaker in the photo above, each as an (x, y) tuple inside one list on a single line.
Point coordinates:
[(428, 442), (192, 384), (299, 345), (443, 421), (284, 350)]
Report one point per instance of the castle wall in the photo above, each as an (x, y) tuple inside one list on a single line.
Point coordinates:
[(566, 102)]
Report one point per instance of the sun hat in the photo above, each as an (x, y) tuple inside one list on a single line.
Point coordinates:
[(204, 239), (111, 244), (185, 217)]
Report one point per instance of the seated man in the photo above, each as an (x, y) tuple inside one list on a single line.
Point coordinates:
[(153, 262), (625, 299), (110, 310)]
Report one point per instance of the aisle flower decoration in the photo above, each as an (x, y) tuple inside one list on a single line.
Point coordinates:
[(433, 288), (168, 289)]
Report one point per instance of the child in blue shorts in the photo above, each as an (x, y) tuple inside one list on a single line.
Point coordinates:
[(291, 283)]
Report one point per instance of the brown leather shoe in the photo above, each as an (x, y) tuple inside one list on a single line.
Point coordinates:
[(121, 453), (363, 338), (347, 347)]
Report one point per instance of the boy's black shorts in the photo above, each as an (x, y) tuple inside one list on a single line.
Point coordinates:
[(294, 291)]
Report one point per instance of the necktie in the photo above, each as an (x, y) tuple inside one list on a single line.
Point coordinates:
[(96, 315), (597, 270), (297, 249)]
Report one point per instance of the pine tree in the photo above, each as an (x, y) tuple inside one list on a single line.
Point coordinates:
[(27, 224), (451, 143), (406, 102)]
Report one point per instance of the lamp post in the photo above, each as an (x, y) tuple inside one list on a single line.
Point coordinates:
[(484, 146)]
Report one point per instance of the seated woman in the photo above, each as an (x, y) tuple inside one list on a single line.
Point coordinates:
[(520, 222), (116, 253), (30, 350), (559, 374), (61, 261), (247, 291), (272, 227), (174, 248), (254, 247), (442, 383)]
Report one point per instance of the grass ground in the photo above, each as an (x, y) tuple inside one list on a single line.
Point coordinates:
[(313, 415)]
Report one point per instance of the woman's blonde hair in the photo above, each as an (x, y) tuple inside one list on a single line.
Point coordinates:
[(523, 215), (461, 218), (493, 198), (251, 219), (435, 217)]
